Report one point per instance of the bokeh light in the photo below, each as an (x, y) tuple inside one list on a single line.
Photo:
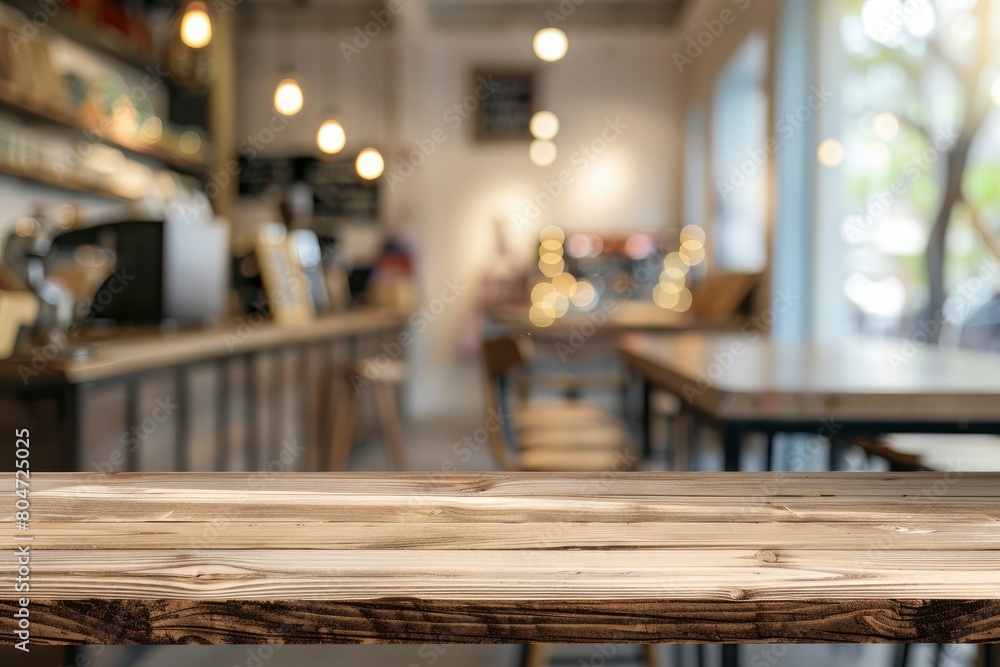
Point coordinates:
[(542, 152), (544, 125), (550, 44), (288, 99), (830, 153), (369, 164), (331, 137), (196, 26)]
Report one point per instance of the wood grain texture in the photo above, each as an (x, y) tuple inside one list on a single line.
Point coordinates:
[(511, 557), (408, 620)]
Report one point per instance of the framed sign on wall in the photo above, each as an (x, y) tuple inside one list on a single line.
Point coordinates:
[(507, 100)]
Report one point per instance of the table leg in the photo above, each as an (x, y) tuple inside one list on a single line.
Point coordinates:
[(182, 423), (276, 405), (730, 655), (769, 451), (678, 655), (250, 411), (732, 446), (646, 416), (222, 414), (131, 421), (902, 655), (70, 456), (535, 655), (683, 440), (838, 448)]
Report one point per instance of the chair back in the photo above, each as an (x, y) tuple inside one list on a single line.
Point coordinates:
[(720, 296), (501, 356)]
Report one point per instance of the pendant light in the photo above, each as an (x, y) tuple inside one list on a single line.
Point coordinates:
[(550, 44), (331, 137), (196, 26), (369, 164), (288, 96)]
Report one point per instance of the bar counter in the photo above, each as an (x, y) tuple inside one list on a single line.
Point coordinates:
[(118, 356), (159, 402)]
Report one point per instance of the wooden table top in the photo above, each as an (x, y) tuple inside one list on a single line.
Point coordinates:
[(121, 356), (734, 376), (512, 557)]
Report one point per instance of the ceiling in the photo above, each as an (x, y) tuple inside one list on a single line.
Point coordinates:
[(480, 13), (462, 13)]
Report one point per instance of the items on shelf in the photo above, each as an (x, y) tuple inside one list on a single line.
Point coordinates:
[(102, 108)]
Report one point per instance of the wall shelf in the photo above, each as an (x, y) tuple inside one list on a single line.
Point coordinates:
[(40, 174), (51, 117), (89, 35)]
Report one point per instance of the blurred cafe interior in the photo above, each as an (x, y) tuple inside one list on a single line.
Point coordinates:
[(482, 235)]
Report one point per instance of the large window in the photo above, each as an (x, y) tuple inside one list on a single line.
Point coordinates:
[(739, 158), (920, 154)]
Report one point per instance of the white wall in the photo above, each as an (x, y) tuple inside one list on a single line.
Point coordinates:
[(449, 205)]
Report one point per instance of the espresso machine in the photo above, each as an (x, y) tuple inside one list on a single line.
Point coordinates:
[(127, 271), (163, 271)]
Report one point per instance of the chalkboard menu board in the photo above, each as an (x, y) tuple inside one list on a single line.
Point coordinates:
[(338, 194), (507, 102)]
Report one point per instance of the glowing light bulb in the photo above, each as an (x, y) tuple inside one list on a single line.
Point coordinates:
[(369, 164), (331, 137), (288, 98), (550, 44), (196, 26), (544, 125)]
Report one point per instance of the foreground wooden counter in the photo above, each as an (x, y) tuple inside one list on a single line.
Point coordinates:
[(643, 557)]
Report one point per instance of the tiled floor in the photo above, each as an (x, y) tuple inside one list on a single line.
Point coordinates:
[(432, 447)]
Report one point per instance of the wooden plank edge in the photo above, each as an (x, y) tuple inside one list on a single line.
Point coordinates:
[(410, 620)]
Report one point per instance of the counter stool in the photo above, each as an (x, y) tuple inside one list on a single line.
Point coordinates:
[(350, 382)]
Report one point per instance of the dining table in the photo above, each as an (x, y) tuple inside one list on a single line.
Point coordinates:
[(748, 382)]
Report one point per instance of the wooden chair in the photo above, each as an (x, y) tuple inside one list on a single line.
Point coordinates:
[(912, 452), (551, 434), (722, 296), (349, 383)]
